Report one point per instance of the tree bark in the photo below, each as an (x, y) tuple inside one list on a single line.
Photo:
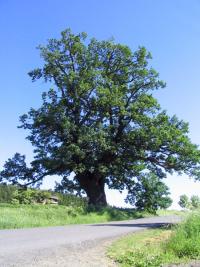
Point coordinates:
[(94, 186)]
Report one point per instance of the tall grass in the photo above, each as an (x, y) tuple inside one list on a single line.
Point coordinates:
[(21, 216), (185, 241), (160, 247)]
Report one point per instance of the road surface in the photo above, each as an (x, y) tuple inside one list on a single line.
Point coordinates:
[(73, 245)]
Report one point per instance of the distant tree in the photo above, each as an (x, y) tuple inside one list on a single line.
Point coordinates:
[(149, 194), (195, 201), (100, 121), (184, 202)]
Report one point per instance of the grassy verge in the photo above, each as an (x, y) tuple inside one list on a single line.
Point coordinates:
[(158, 247), (21, 216), (143, 249), (181, 213)]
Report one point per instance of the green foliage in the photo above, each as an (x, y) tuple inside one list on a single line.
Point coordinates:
[(15, 195), (184, 202), (21, 216), (100, 121), (168, 212), (149, 194), (195, 202), (144, 249), (72, 200), (7, 193), (30, 196), (160, 247), (192, 203), (185, 242)]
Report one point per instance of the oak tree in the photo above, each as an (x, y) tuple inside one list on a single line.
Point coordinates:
[(99, 121)]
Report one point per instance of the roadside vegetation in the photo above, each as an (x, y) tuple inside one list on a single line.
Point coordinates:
[(20, 208), (32, 208), (159, 247), (22, 216), (164, 212)]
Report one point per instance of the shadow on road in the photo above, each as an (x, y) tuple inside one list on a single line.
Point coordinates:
[(142, 225)]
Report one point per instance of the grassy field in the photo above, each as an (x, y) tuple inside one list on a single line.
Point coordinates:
[(21, 216), (153, 248)]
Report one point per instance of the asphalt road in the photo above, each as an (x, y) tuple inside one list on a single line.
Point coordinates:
[(66, 245)]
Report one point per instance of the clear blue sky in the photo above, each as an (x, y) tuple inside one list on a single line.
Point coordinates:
[(169, 29)]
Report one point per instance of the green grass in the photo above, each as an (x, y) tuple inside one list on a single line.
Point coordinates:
[(185, 241), (157, 247), (23, 216), (182, 213), (143, 249)]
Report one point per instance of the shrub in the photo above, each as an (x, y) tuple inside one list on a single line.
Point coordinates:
[(15, 195), (7, 193), (30, 196), (72, 200)]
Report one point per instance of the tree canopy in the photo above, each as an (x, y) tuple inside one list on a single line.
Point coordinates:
[(149, 193), (192, 203), (184, 201), (100, 121)]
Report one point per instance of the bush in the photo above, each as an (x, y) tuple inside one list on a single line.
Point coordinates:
[(15, 195), (72, 200), (7, 193), (30, 196)]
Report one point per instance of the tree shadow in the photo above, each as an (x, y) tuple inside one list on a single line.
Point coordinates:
[(116, 214), (137, 225)]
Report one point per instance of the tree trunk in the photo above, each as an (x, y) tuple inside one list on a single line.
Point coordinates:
[(93, 185)]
